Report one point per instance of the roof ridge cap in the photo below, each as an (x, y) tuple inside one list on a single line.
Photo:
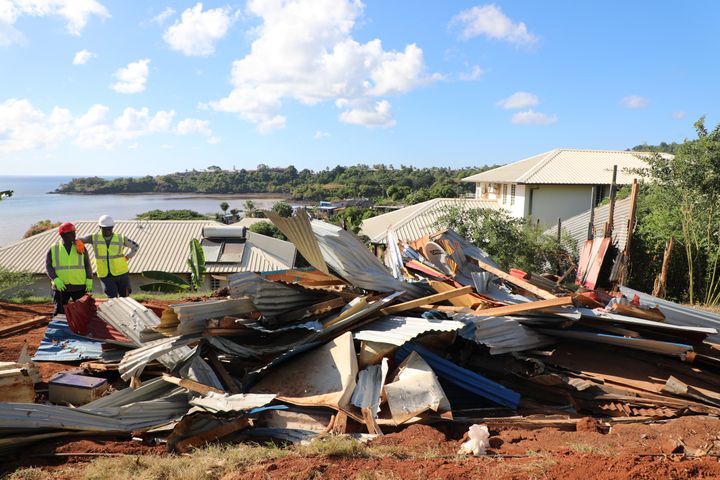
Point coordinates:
[(541, 164)]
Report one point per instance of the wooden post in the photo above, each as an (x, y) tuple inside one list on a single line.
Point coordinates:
[(591, 224), (611, 211), (630, 229), (660, 281)]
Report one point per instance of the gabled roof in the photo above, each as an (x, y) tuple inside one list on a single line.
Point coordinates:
[(164, 245), (415, 221), (569, 166)]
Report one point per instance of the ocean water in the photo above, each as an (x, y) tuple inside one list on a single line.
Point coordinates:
[(32, 202)]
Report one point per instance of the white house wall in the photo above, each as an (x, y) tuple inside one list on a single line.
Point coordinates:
[(550, 202)]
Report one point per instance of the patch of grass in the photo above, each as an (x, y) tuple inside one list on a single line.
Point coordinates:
[(31, 300), (31, 473), (336, 446), (587, 448), (150, 297)]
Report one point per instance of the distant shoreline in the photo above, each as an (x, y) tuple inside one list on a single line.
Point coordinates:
[(183, 195)]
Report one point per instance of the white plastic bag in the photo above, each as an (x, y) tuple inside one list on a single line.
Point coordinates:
[(479, 441)]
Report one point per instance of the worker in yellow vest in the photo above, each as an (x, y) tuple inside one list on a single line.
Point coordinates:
[(68, 266), (111, 261)]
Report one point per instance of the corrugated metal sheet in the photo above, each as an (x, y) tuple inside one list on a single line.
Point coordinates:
[(502, 334), (369, 387), (60, 344), (463, 378), (397, 330), (297, 229), (224, 403), (577, 226), (193, 316), (666, 327), (418, 220), (569, 166), (134, 361), (679, 314), (270, 298), (163, 246), (654, 346)]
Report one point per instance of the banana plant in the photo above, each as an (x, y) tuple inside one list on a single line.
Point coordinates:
[(171, 283)]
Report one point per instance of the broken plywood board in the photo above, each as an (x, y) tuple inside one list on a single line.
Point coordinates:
[(430, 299), (324, 376), (524, 307), (414, 390), (539, 292)]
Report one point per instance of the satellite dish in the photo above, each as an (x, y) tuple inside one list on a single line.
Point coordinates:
[(437, 256)]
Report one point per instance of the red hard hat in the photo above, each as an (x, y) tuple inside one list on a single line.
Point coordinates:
[(66, 227)]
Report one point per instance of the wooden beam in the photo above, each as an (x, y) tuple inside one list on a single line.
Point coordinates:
[(191, 385), (219, 368), (525, 307), (187, 444), (469, 300), (339, 427), (430, 299), (27, 324), (371, 422), (539, 292)]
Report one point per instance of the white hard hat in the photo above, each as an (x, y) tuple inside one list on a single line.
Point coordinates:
[(106, 221)]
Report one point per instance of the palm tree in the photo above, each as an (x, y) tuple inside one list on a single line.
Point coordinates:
[(224, 206), (250, 210)]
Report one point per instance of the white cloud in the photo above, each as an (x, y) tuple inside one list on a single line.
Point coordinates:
[(196, 32), (304, 52), (377, 116), (82, 57), (490, 21), (634, 102), (164, 15), (475, 73), (25, 127), (518, 100), (77, 13), (319, 135), (678, 115), (132, 78), (530, 117), (194, 126)]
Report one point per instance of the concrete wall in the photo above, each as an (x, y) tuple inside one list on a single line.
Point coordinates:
[(548, 202)]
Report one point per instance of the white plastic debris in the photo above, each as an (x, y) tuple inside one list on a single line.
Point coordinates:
[(479, 441)]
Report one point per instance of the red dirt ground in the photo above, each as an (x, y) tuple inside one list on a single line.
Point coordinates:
[(683, 448)]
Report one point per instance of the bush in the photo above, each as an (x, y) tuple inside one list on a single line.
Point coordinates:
[(267, 229), (183, 214), (39, 227), (511, 242), (14, 284)]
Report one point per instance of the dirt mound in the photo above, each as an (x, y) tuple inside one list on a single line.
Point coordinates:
[(415, 437)]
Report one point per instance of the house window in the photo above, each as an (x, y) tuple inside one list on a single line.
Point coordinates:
[(504, 193), (512, 194), (214, 284)]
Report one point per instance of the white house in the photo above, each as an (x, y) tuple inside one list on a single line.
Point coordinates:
[(558, 183), (165, 246)]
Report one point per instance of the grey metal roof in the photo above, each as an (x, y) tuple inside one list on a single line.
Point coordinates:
[(397, 330), (569, 166), (577, 226), (415, 221), (501, 334), (164, 245)]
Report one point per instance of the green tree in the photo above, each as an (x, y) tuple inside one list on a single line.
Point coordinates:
[(267, 229), (283, 209), (5, 194), (14, 284), (224, 206), (683, 200), (182, 214), (39, 227), (250, 209)]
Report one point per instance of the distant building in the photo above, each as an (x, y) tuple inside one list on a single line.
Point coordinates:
[(165, 246), (558, 183)]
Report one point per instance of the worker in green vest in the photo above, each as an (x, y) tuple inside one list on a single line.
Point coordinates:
[(68, 266), (111, 261)]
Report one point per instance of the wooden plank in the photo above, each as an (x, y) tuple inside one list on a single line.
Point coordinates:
[(539, 292), (18, 327), (340, 425), (353, 309), (191, 385), (468, 300), (219, 368), (370, 421), (187, 444), (524, 307), (430, 299)]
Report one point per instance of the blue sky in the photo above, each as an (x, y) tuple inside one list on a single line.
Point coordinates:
[(100, 87)]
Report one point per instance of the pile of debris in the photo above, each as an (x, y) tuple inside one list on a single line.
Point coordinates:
[(438, 334)]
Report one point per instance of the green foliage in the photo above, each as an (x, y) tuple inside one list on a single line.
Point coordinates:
[(683, 201), (283, 209), (224, 206), (182, 214), (250, 210), (171, 283), (511, 242), (14, 284), (39, 227), (267, 229), (377, 182), (351, 218), (5, 194)]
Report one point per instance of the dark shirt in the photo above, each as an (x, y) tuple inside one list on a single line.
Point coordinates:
[(53, 275)]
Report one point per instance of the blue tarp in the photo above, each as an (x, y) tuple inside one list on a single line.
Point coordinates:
[(60, 344), (462, 377)]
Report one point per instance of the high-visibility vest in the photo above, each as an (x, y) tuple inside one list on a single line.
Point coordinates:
[(70, 267), (109, 258)]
